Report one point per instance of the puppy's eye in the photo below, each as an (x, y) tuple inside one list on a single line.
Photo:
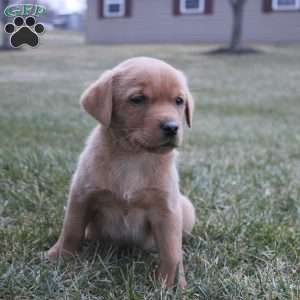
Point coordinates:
[(179, 101), (138, 99)]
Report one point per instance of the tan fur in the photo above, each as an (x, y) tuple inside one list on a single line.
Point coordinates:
[(126, 186)]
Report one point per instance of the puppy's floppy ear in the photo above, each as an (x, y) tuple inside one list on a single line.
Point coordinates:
[(97, 99), (189, 106), (189, 109)]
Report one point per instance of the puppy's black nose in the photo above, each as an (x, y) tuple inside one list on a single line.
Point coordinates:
[(169, 128)]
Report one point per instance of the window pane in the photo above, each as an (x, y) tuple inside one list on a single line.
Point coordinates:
[(114, 8), (287, 2), (192, 4)]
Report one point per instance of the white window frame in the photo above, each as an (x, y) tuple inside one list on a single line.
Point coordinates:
[(276, 6), (185, 10), (109, 14)]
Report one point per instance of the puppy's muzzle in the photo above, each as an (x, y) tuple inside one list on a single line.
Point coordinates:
[(169, 128)]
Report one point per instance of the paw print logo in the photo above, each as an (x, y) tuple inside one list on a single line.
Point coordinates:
[(24, 33)]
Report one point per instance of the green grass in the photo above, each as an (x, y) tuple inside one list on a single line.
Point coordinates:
[(240, 165)]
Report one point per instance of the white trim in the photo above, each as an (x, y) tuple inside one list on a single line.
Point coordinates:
[(277, 6), (185, 10), (108, 14)]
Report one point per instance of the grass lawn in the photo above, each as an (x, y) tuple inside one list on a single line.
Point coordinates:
[(240, 165)]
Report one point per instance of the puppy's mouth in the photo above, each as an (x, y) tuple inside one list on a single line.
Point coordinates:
[(168, 144), (162, 147)]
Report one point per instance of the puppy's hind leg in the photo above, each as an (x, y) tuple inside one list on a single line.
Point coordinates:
[(188, 215), (91, 231)]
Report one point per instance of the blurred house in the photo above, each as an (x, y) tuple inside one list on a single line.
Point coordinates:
[(145, 21), (48, 17), (67, 14), (72, 21)]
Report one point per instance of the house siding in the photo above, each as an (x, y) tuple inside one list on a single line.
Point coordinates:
[(273, 26), (154, 21)]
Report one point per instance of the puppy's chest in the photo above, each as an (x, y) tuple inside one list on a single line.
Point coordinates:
[(126, 177)]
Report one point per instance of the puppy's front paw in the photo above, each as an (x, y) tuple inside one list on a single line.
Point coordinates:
[(54, 252), (58, 250), (169, 279), (182, 283)]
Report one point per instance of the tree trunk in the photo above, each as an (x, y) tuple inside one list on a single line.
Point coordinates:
[(237, 25), (4, 20)]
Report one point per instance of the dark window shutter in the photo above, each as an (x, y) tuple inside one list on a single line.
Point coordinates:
[(128, 8), (176, 7), (208, 7), (100, 9), (267, 6)]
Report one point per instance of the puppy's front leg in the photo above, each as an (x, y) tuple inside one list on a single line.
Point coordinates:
[(167, 229), (73, 228)]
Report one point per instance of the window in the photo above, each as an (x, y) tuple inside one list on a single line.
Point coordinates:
[(285, 4), (185, 7), (192, 6), (114, 8)]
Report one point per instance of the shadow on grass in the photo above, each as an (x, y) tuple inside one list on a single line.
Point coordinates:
[(229, 51)]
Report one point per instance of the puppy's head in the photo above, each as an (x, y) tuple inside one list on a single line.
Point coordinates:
[(144, 101)]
